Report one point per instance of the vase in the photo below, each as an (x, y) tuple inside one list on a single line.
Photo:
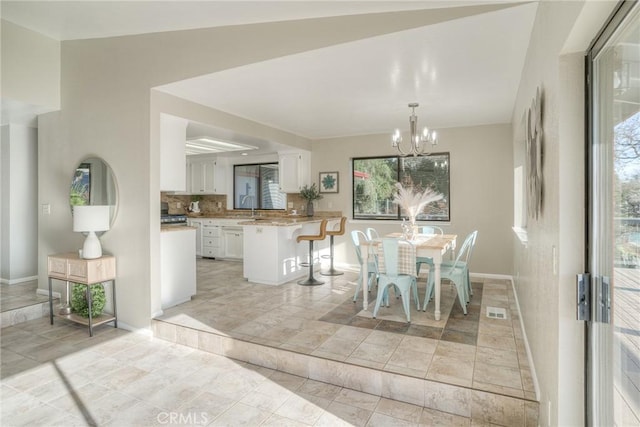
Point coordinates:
[(310, 208)]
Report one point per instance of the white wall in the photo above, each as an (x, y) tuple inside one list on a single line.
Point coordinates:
[(30, 67), (19, 210), (481, 191), (546, 296)]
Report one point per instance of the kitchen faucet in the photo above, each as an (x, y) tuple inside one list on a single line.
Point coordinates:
[(253, 200)]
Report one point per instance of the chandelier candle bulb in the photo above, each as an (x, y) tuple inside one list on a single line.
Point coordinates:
[(418, 140)]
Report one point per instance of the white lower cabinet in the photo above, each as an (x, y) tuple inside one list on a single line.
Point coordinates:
[(211, 245), (218, 238), (233, 242)]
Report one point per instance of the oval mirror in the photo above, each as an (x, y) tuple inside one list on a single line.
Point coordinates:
[(93, 183)]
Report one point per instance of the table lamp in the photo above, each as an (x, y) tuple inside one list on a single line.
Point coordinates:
[(89, 219)]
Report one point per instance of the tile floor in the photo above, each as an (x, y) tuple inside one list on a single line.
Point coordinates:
[(471, 366), (467, 350), (20, 302), (19, 295), (58, 376)]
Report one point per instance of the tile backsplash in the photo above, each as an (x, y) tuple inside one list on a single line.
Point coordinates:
[(210, 203), (216, 204)]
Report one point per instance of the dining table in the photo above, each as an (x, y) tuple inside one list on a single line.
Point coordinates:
[(434, 246)]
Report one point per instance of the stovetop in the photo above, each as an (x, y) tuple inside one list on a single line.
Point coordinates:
[(173, 219)]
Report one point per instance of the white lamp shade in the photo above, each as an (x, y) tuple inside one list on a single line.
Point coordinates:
[(90, 218)]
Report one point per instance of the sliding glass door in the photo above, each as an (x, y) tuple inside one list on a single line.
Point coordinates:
[(613, 352)]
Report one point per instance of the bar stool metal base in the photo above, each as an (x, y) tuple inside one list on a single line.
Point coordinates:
[(311, 281), (331, 272)]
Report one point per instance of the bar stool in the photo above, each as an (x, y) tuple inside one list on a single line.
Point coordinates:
[(339, 232), (312, 281)]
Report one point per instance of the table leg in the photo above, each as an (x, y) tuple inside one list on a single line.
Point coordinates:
[(50, 302), (436, 271), (365, 276), (115, 312), (89, 305)]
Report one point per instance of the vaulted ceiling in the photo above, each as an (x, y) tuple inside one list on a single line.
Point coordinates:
[(463, 68)]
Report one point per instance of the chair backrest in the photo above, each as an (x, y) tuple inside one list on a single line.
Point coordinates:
[(464, 255), (356, 237), (397, 256), (432, 229), (372, 233), (339, 231), (474, 236), (320, 236)]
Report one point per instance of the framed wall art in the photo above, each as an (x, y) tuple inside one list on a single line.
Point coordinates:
[(328, 182)]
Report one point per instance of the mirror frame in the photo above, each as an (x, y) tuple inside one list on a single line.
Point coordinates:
[(82, 186)]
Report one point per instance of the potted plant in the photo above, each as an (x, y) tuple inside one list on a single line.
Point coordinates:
[(310, 194), (79, 303)]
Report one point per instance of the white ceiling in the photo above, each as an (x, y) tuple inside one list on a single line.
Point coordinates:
[(462, 72)]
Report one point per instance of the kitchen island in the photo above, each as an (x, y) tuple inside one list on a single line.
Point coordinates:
[(271, 254)]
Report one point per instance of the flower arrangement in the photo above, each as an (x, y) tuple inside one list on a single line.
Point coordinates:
[(310, 193), (413, 202)]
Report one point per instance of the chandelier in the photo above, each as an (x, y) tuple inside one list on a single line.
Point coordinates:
[(418, 140)]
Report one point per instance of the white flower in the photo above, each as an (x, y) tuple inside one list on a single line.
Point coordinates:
[(413, 203)]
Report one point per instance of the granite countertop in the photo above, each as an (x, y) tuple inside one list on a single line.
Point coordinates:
[(285, 221), (268, 219)]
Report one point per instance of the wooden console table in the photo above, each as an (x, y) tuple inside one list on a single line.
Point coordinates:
[(71, 268)]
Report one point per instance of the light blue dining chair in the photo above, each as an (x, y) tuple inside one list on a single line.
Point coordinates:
[(431, 229), (358, 236), (372, 233), (428, 229), (457, 272), (390, 275)]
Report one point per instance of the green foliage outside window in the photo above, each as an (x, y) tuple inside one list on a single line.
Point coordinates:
[(374, 182)]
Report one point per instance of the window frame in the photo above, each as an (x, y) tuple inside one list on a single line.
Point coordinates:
[(399, 216), (259, 189)]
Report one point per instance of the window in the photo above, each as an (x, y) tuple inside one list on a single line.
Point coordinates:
[(262, 180), (374, 180)]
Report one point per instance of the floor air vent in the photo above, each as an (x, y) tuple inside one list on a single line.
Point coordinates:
[(496, 313)]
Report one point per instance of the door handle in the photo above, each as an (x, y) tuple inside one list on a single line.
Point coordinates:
[(583, 297)]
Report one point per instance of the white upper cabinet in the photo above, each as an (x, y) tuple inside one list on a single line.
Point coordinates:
[(173, 134), (295, 168), (207, 176)]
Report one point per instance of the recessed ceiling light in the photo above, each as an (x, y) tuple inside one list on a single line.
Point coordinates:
[(245, 154), (208, 145)]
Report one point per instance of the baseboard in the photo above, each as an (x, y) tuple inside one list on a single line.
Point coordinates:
[(534, 376), (492, 276), (17, 281)]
